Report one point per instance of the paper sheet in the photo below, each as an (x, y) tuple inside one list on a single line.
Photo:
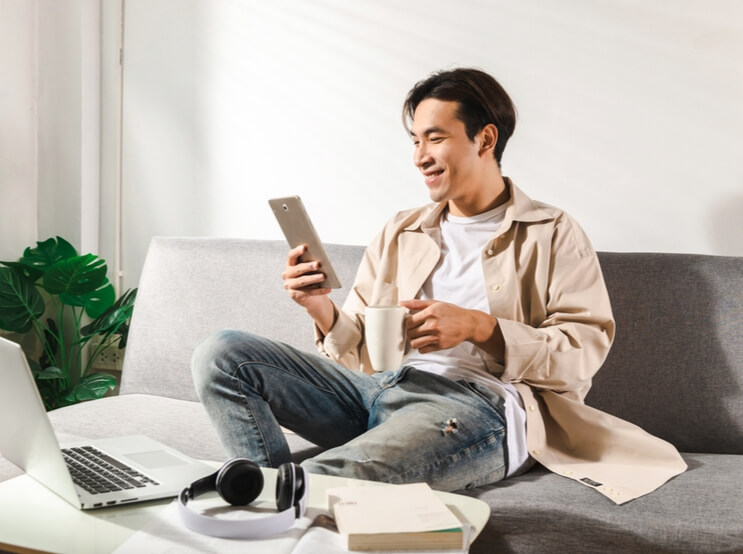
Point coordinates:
[(312, 534), (166, 534)]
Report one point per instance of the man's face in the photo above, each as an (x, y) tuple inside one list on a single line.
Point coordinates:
[(449, 160)]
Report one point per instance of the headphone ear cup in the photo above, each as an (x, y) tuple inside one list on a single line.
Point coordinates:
[(203, 485), (289, 486), (239, 482)]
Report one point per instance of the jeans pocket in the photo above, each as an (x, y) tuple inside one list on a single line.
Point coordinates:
[(492, 399), (496, 403)]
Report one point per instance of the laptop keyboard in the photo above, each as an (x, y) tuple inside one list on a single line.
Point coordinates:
[(99, 473)]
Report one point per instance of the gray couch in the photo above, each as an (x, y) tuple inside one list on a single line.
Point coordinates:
[(676, 369)]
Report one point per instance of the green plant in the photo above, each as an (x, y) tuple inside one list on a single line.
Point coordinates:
[(67, 301)]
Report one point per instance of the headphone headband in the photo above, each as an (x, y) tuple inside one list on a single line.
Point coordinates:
[(291, 498)]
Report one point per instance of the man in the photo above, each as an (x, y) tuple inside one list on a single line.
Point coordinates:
[(510, 320)]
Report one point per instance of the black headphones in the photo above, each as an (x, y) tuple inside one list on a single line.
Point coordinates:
[(239, 481)]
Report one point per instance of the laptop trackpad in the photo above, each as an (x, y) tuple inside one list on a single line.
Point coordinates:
[(155, 459)]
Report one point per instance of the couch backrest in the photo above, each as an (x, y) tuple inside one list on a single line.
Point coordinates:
[(190, 287), (676, 368)]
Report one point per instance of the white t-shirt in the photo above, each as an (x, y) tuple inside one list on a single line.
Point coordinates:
[(458, 279)]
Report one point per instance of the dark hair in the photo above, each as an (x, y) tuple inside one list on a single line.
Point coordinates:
[(482, 100)]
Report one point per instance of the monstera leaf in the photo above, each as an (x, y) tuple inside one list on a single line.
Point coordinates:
[(25, 272), (92, 386), (20, 302), (75, 276), (50, 374), (95, 302), (47, 253), (114, 319)]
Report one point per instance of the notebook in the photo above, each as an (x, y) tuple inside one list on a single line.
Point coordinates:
[(136, 468)]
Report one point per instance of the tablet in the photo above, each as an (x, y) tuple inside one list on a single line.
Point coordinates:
[(298, 229)]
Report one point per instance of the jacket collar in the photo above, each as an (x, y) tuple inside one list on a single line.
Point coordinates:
[(519, 208)]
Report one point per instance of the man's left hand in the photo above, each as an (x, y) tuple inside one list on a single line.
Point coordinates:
[(435, 325)]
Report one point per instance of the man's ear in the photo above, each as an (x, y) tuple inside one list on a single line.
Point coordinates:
[(487, 137)]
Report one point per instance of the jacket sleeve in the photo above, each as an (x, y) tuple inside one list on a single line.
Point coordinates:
[(344, 342), (564, 351)]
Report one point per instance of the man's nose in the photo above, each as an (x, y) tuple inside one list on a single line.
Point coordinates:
[(421, 157)]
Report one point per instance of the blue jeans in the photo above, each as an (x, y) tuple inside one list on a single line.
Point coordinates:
[(397, 426)]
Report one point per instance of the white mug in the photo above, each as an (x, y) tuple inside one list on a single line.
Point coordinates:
[(386, 336)]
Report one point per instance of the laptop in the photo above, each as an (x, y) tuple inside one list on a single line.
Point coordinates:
[(133, 468)]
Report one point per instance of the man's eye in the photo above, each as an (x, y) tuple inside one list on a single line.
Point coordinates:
[(437, 139)]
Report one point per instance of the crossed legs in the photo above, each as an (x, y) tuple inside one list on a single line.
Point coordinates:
[(398, 426)]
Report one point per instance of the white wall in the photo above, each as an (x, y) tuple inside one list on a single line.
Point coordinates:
[(69, 121), (17, 127), (49, 123), (630, 113)]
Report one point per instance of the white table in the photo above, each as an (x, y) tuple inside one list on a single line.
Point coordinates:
[(34, 519)]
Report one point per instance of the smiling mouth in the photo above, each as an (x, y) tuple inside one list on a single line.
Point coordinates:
[(432, 176)]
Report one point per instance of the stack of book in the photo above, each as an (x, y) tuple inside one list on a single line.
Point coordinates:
[(396, 517)]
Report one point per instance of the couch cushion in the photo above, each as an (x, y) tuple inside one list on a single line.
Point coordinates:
[(191, 287), (698, 511), (676, 366), (182, 424)]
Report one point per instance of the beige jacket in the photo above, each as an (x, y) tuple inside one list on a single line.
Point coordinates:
[(546, 289)]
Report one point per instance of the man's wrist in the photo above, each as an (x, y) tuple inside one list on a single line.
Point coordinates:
[(324, 315), (487, 335), (485, 325)]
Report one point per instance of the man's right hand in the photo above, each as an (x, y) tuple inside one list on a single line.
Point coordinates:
[(301, 280)]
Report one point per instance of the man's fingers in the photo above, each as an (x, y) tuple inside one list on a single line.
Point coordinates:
[(302, 281), (294, 271), (295, 253), (300, 295), (416, 305), (424, 344)]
